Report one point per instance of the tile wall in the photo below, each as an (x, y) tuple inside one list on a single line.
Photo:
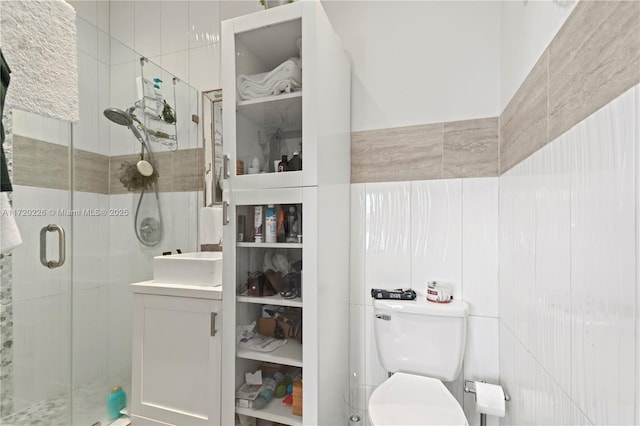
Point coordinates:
[(404, 234), (568, 285)]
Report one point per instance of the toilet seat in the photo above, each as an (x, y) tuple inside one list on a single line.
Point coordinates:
[(407, 399)]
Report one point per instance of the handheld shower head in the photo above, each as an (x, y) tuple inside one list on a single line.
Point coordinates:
[(122, 118), (118, 116)]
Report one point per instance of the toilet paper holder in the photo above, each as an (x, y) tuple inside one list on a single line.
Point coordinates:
[(470, 387)]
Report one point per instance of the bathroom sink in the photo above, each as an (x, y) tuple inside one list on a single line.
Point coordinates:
[(200, 268)]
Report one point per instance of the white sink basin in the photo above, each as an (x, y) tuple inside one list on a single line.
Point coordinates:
[(201, 268)]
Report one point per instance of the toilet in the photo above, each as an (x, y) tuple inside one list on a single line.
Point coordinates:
[(422, 343)]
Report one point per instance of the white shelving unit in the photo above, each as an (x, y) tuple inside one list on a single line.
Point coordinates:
[(315, 122)]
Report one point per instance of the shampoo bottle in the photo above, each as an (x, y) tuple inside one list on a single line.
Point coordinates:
[(116, 402)]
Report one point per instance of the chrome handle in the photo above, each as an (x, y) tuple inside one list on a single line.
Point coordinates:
[(225, 212), (225, 166), (383, 317), (213, 323), (61, 246)]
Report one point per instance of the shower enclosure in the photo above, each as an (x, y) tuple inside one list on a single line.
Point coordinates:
[(66, 331)]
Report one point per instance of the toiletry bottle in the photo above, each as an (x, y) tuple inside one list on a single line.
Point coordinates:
[(257, 224), (281, 236), (295, 163), (270, 224), (116, 402), (282, 165), (292, 225), (268, 389)]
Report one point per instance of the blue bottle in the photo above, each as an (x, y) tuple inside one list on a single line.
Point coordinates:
[(116, 402)]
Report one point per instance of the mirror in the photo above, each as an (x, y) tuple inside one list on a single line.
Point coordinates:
[(212, 140)]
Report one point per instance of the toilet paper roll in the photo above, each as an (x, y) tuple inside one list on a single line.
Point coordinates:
[(210, 228), (490, 399)]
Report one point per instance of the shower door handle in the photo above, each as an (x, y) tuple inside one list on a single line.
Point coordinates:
[(61, 246), (225, 166), (225, 212)]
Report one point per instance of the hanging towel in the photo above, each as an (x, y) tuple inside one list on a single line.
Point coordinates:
[(9, 233), (5, 182), (39, 41)]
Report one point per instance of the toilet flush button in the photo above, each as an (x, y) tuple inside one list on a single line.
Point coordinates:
[(384, 317)]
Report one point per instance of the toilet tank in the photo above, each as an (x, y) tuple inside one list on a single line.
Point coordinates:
[(421, 337)]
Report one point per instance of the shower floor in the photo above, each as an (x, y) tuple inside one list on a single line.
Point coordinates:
[(89, 408)]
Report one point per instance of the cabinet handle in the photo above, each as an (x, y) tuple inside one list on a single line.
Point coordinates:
[(225, 212), (225, 166), (213, 323), (61, 246)]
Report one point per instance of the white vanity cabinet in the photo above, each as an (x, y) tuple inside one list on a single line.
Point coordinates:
[(313, 120), (176, 355)]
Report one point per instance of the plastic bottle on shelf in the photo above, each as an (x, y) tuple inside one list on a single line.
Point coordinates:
[(267, 392), (117, 401), (257, 223), (282, 165), (270, 224)]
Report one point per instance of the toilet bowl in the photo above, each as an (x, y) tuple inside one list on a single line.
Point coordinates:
[(408, 399)]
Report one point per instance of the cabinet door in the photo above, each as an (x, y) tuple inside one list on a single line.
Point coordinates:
[(176, 360)]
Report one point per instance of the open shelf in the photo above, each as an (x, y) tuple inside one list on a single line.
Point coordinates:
[(288, 354), (282, 111), (275, 411), (271, 300)]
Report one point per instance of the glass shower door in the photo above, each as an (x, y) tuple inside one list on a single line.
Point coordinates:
[(35, 342)]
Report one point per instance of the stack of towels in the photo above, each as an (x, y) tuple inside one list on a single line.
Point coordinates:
[(286, 77)]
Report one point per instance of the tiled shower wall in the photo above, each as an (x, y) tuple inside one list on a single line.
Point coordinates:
[(404, 234), (568, 286)]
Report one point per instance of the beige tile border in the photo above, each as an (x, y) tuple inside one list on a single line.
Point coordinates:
[(46, 165), (466, 148)]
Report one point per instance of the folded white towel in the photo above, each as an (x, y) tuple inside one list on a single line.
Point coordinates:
[(38, 39), (286, 77), (9, 233)]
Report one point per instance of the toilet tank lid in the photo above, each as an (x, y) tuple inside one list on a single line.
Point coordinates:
[(421, 306)]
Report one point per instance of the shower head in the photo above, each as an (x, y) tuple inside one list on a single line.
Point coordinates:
[(123, 118), (118, 116)]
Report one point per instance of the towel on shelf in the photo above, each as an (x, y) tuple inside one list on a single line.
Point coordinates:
[(39, 41), (286, 77), (9, 232)]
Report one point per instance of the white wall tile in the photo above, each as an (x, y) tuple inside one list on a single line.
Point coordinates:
[(87, 36), (603, 261), (87, 10), (204, 23), (436, 234), (357, 270), (147, 30), (85, 131), (204, 67), (388, 236), (174, 26), (524, 253), (122, 22), (103, 13), (41, 128), (552, 335), (177, 63), (90, 343), (104, 47), (568, 324), (480, 245)]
